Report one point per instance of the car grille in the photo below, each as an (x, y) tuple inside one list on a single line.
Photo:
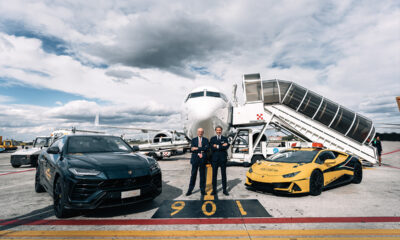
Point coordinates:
[(124, 183), (19, 157), (158, 180), (85, 188), (268, 187)]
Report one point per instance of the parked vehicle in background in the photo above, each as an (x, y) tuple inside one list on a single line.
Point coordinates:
[(243, 149), (29, 156), (7, 145)]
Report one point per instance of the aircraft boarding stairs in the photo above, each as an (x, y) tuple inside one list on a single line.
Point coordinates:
[(286, 105)]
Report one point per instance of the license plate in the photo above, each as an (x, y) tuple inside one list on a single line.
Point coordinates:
[(129, 194)]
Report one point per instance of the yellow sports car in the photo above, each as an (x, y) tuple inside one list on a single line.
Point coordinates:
[(304, 170)]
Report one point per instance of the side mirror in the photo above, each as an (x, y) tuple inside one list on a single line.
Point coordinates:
[(330, 161), (53, 150), (135, 148)]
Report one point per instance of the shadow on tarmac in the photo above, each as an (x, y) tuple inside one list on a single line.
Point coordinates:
[(230, 184), (38, 214), (168, 193)]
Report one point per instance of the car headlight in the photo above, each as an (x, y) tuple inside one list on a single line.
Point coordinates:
[(154, 166), (84, 172), (290, 175), (250, 170)]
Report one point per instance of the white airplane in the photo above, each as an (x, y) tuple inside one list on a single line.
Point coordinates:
[(206, 107)]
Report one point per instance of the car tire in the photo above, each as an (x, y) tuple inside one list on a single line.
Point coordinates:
[(59, 199), (246, 164), (316, 183), (358, 174), (38, 187), (34, 163), (15, 165), (256, 158)]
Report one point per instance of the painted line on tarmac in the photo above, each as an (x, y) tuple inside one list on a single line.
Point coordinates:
[(209, 187), (32, 169), (199, 221), (227, 238), (197, 209), (183, 234), (398, 150)]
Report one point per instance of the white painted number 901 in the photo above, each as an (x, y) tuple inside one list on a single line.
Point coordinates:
[(180, 205)]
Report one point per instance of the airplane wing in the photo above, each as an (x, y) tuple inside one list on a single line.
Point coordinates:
[(172, 145), (144, 130)]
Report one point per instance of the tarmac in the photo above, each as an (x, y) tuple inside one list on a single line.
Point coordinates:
[(370, 210)]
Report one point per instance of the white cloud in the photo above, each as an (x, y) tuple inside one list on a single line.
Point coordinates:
[(27, 121), (348, 51)]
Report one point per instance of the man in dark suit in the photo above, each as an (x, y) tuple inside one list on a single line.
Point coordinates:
[(219, 145), (199, 148)]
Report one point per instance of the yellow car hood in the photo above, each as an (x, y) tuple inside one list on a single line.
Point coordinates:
[(277, 168)]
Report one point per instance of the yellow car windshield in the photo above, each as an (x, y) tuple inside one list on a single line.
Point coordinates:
[(293, 156)]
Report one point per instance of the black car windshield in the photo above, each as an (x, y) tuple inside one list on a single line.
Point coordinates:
[(291, 156), (96, 144), (42, 142)]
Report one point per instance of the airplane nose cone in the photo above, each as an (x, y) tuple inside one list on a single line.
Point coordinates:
[(202, 114)]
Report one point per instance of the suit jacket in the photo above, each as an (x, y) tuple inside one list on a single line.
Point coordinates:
[(219, 153), (204, 147)]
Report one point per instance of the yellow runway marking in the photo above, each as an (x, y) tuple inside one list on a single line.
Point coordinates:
[(242, 211), (223, 233), (297, 238), (369, 168), (209, 188)]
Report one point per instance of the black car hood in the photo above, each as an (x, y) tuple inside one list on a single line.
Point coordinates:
[(113, 165)]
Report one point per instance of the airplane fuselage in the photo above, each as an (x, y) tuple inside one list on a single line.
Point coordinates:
[(207, 108)]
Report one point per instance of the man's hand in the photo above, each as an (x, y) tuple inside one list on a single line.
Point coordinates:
[(194, 148), (225, 144), (215, 145), (200, 155)]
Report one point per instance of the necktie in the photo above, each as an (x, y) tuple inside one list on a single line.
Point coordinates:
[(199, 142)]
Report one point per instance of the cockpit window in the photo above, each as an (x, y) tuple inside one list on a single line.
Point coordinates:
[(213, 94), (217, 95), (195, 95), (208, 94)]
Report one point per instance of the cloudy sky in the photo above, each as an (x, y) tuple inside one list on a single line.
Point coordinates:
[(134, 61)]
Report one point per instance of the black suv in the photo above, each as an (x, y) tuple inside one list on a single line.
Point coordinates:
[(92, 171)]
